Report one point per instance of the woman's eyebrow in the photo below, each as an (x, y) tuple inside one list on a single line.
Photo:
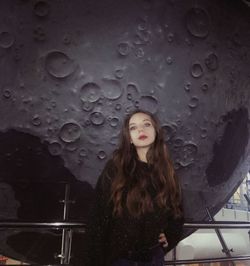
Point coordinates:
[(146, 119)]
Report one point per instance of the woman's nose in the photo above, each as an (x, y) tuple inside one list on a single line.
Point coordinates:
[(140, 128)]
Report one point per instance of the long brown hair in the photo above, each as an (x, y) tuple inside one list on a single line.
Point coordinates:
[(130, 192)]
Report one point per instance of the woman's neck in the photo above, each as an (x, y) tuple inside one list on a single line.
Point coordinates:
[(142, 154)]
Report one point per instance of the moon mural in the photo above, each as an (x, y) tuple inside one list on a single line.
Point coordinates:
[(71, 71)]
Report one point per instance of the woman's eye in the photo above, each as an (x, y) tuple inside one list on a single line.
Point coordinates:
[(147, 124), (132, 128)]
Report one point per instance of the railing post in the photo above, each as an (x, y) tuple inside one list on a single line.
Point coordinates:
[(220, 237), (66, 233), (174, 255)]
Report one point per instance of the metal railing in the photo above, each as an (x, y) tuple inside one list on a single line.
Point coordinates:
[(196, 261), (41, 225), (81, 225), (68, 228)]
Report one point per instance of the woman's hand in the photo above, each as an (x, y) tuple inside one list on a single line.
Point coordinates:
[(163, 240)]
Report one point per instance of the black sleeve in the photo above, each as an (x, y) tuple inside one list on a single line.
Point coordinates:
[(98, 226), (174, 231)]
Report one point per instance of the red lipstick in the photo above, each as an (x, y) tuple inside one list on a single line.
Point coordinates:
[(142, 137)]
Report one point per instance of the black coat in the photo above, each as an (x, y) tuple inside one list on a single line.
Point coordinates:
[(110, 238)]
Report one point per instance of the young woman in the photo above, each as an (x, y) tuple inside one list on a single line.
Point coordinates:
[(137, 216)]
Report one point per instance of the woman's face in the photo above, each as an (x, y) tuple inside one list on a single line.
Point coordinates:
[(141, 130)]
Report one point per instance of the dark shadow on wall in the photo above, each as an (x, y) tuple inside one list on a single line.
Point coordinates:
[(38, 181), (228, 150)]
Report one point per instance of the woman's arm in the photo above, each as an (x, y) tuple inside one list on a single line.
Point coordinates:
[(173, 232)]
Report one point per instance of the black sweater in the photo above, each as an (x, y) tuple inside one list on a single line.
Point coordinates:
[(110, 237)]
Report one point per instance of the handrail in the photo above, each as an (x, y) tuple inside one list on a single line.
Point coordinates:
[(81, 224), (218, 224), (196, 261), (169, 262), (52, 225)]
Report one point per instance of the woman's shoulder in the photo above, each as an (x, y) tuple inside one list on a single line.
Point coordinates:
[(109, 167), (108, 172)]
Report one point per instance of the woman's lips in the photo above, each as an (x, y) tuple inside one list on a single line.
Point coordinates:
[(143, 137)]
